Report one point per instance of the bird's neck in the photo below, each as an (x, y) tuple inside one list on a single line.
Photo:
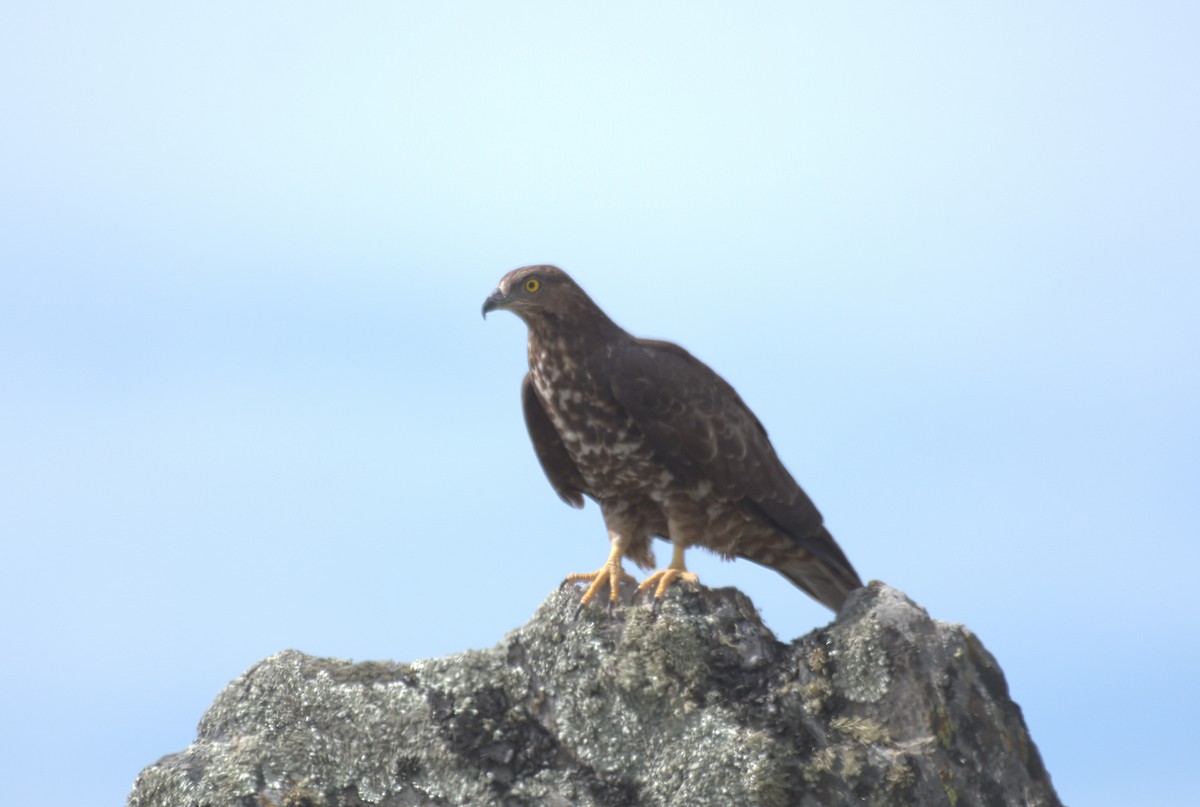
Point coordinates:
[(574, 334)]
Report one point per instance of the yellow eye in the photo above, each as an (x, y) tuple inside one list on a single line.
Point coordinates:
[(532, 284)]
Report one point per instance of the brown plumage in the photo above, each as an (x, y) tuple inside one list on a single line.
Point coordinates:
[(662, 443)]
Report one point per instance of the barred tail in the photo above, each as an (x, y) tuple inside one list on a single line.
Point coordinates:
[(828, 577)]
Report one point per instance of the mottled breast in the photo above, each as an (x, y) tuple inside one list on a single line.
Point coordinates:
[(605, 444)]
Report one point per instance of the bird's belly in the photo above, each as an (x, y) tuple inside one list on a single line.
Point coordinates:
[(700, 518), (614, 459), (622, 471)]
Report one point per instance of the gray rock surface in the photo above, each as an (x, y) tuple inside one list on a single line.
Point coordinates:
[(698, 704)]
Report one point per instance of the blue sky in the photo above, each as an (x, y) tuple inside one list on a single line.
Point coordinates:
[(948, 254)]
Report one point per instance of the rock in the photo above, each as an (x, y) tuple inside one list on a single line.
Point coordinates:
[(697, 704)]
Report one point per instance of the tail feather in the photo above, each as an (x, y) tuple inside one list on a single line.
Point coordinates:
[(828, 579)]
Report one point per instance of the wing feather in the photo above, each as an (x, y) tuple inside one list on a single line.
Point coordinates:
[(557, 464), (702, 430)]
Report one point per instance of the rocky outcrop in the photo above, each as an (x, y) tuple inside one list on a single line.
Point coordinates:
[(695, 704)]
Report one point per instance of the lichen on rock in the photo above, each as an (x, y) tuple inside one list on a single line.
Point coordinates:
[(697, 703)]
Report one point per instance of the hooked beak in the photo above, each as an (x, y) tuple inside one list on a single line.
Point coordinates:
[(495, 300)]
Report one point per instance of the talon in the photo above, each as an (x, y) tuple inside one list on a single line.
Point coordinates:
[(663, 578), (611, 574)]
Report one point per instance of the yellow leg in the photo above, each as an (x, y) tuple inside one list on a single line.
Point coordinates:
[(610, 574), (665, 577)]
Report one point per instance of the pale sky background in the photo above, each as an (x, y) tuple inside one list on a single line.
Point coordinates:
[(949, 254)]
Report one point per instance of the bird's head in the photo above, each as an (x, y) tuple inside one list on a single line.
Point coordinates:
[(534, 293)]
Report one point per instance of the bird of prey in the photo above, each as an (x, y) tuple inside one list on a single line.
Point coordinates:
[(662, 443)]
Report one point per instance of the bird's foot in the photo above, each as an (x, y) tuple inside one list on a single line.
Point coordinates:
[(663, 579), (611, 574)]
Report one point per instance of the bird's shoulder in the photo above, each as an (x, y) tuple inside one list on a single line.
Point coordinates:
[(652, 360), (666, 376)]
